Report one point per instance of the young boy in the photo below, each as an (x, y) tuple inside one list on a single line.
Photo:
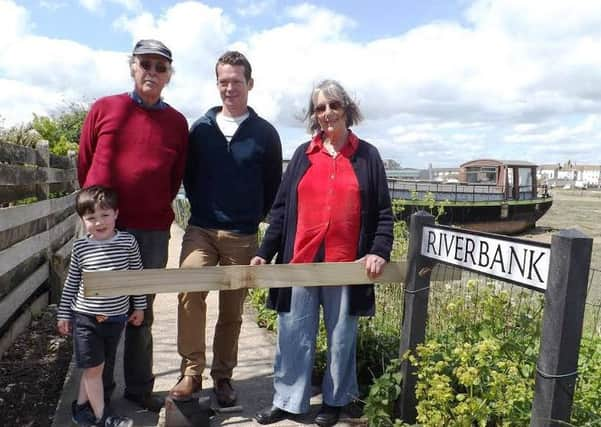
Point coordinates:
[(97, 322)]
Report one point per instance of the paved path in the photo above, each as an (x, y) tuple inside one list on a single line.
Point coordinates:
[(252, 377)]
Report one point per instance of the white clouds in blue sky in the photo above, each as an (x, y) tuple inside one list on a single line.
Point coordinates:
[(439, 81)]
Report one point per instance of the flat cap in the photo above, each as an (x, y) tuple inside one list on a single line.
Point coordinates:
[(152, 47)]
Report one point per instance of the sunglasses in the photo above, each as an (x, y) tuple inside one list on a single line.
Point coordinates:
[(158, 66), (334, 106)]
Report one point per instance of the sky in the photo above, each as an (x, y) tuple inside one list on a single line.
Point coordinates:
[(439, 82)]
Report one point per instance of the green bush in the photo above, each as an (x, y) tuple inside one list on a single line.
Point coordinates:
[(587, 399), (266, 318), (479, 369)]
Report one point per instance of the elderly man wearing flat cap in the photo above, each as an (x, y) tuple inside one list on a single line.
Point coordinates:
[(136, 143)]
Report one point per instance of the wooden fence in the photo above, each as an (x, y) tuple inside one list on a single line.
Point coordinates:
[(37, 227)]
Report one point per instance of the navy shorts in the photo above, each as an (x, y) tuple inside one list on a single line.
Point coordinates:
[(95, 342)]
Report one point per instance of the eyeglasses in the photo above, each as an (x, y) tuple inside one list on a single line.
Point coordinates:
[(158, 66), (334, 106)]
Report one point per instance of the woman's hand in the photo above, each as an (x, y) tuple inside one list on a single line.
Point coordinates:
[(257, 261), (373, 265)]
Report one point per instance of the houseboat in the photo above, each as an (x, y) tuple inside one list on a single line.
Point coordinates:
[(490, 195)]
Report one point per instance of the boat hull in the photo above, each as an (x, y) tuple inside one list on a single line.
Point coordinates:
[(500, 217)]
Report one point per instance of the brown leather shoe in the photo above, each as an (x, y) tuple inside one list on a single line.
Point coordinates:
[(226, 395), (186, 387)]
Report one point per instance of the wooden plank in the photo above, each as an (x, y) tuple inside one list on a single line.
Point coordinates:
[(22, 323), (21, 272), (55, 175), (13, 301), (58, 270), (11, 193), (16, 234), (61, 162), (19, 215), (110, 283), (18, 175), (64, 187), (17, 154), (67, 226), (20, 222), (18, 253)]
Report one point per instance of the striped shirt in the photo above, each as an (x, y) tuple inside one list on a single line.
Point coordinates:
[(120, 252)]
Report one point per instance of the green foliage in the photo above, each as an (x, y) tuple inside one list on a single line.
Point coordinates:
[(479, 370), (587, 409), (181, 210), (266, 318), (23, 134), (61, 130), (383, 393), (428, 203), (400, 243)]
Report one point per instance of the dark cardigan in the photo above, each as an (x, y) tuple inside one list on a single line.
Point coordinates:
[(376, 230)]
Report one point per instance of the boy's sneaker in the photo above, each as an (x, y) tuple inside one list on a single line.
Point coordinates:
[(82, 415), (115, 421)]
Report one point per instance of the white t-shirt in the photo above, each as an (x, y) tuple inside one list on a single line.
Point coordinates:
[(229, 125)]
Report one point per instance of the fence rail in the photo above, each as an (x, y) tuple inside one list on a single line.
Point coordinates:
[(37, 229)]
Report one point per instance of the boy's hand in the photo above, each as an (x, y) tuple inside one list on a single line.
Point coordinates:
[(64, 327), (136, 318)]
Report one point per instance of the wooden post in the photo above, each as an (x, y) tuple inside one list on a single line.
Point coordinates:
[(43, 163), (415, 312), (563, 316)]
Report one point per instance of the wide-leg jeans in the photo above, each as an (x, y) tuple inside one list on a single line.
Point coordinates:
[(295, 349)]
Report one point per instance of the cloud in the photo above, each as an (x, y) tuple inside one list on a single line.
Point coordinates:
[(507, 82), (52, 5), (91, 5), (254, 7), (96, 5)]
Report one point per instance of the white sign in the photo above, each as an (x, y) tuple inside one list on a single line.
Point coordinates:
[(509, 259)]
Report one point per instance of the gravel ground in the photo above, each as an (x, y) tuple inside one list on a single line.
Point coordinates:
[(32, 372)]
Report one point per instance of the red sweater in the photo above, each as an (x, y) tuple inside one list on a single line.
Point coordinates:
[(140, 153)]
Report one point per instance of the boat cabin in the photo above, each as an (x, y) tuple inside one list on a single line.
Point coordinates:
[(515, 179)]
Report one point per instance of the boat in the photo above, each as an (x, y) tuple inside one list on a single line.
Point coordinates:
[(489, 195)]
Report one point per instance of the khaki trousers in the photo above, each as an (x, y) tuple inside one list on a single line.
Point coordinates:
[(202, 247)]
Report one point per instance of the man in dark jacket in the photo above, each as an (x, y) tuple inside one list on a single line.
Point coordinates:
[(232, 174)]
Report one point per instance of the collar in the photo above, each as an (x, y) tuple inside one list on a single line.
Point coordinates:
[(352, 142), (159, 105), (213, 112)]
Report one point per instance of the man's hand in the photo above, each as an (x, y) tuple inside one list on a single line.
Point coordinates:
[(136, 317)]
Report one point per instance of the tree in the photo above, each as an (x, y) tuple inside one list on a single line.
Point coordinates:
[(62, 130)]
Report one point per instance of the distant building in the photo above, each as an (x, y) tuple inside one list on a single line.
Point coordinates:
[(391, 164), (404, 173), (570, 174)]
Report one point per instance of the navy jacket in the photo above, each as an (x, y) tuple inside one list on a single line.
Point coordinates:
[(231, 186), (376, 229)]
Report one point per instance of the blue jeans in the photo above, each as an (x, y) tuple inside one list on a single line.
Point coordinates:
[(295, 349)]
